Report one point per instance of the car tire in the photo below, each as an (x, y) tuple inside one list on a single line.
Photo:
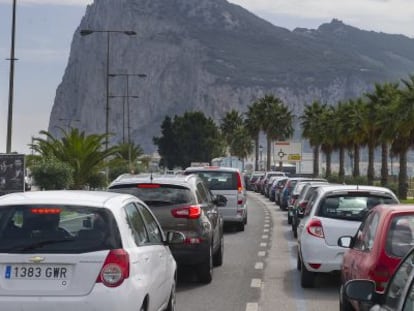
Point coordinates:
[(205, 270), (289, 219), (240, 226), (218, 256), (295, 230), (344, 304), (298, 263), (245, 220), (307, 278), (171, 300)]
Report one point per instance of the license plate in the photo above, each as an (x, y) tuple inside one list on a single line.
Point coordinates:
[(37, 272)]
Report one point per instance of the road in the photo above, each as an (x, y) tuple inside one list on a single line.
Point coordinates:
[(259, 270)]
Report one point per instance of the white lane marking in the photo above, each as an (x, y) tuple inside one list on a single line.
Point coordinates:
[(256, 283), (259, 265), (261, 254), (263, 244), (252, 306), (265, 230), (266, 225), (265, 236)]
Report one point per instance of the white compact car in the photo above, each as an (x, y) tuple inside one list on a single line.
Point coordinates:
[(333, 211), (83, 250)]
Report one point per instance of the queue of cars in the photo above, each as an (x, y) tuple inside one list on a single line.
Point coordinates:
[(116, 249), (362, 232)]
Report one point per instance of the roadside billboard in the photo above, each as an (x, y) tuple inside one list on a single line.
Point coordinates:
[(12, 172)]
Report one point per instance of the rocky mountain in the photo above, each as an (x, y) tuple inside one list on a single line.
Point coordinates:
[(212, 56)]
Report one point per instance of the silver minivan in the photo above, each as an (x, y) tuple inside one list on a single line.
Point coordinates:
[(229, 182)]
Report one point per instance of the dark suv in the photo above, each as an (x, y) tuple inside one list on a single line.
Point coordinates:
[(185, 204)]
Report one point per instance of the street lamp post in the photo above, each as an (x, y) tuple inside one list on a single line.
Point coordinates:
[(124, 97), (261, 154), (11, 82), (85, 32), (127, 75)]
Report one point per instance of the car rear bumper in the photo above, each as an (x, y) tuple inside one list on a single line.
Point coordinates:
[(100, 298), (190, 254), (329, 257)]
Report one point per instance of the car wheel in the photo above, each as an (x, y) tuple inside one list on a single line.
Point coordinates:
[(307, 278), (298, 263), (171, 301), (205, 270), (245, 220), (289, 219), (295, 231), (240, 226), (344, 304), (218, 256)]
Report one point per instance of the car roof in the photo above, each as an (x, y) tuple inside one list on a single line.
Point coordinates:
[(394, 208), (325, 188), (212, 168), (67, 197), (183, 180)]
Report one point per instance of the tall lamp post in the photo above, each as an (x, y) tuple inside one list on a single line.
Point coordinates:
[(85, 32), (11, 82), (127, 75), (124, 97), (261, 155)]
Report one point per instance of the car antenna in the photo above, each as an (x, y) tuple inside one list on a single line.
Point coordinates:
[(151, 178)]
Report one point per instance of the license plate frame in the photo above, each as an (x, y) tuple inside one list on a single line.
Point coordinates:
[(53, 272)]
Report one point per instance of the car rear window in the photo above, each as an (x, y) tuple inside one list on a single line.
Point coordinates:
[(351, 206), (154, 194), (57, 229), (219, 180), (400, 238)]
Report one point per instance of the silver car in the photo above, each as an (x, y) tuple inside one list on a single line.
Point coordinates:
[(228, 182)]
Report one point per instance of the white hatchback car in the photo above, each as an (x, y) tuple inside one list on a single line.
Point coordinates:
[(333, 211), (83, 250)]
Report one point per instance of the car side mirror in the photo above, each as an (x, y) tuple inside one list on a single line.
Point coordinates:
[(220, 200), (361, 290), (174, 237), (345, 241)]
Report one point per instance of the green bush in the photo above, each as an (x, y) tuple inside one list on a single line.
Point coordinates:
[(51, 174)]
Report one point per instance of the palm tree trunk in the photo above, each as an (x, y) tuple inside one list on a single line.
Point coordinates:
[(356, 172), (268, 152), (316, 161), (402, 176), (370, 172), (328, 164), (384, 164), (341, 173), (256, 153)]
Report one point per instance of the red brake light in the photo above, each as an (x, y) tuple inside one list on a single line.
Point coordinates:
[(148, 186), (45, 211), (190, 212), (314, 228), (239, 183), (115, 268)]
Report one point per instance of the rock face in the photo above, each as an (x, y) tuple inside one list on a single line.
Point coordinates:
[(211, 56)]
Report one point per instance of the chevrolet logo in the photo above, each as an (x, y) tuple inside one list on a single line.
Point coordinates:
[(37, 259)]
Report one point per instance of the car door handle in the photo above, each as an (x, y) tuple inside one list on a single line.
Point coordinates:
[(146, 258)]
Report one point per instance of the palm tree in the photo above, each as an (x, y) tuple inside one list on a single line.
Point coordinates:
[(253, 124), (327, 125), (310, 130), (129, 153), (404, 131), (85, 154), (277, 122), (229, 125), (382, 97)]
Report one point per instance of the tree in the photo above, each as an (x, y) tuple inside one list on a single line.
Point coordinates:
[(253, 124), (85, 154), (277, 122), (196, 139), (312, 131)]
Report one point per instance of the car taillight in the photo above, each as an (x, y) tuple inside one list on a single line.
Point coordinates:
[(115, 268), (190, 212), (314, 228), (239, 183)]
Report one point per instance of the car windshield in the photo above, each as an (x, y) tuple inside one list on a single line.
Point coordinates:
[(57, 229), (218, 180), (350, 206), (157, 194)]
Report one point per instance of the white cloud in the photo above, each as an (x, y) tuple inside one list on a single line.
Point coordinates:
[(50, 2)]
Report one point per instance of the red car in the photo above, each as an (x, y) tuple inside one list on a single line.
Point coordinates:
[(382, 240)]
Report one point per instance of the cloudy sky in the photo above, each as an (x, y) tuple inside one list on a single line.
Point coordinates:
[(45, 28)]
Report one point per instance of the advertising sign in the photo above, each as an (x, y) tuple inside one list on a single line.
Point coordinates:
[(12, 172)]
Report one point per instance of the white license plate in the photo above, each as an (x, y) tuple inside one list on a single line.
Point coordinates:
[(37, 272)]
